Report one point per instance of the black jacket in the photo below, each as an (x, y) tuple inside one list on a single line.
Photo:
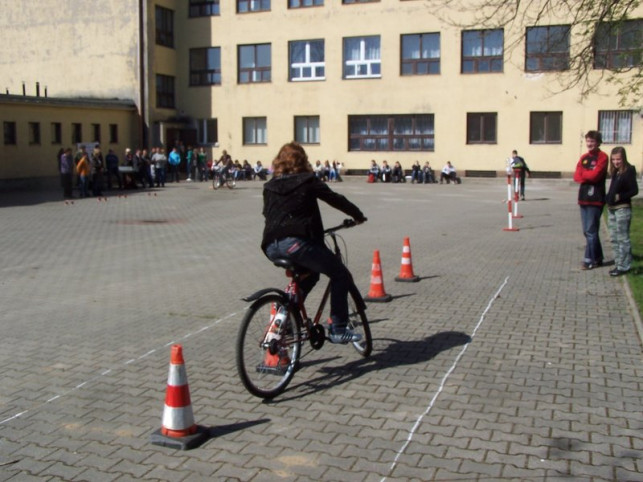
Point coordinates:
[(290, 207), (625, 186)]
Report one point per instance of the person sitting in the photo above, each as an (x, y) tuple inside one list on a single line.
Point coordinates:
[(427, 174), (386, 172), (416, 173), (449, 174), (247, 170), (259, 171), (373, 172), (318, 169), (398, 172)]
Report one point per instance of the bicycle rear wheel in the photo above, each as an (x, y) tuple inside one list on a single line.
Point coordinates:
[(358, 322), (267, 354), (230, 182)]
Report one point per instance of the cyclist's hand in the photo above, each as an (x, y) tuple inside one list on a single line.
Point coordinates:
[(361, 220)]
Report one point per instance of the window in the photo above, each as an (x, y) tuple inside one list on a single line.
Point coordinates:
[(113, 133), (362, 57), (547, 48), (9, 133), (481, 128), (96, 132), (545, 127), (204, 8), (254, 130), (207, 131), (615, 126), (307, 129), (254, 63), (56, 133), (164, 27), (420, 54), (482, 51), (305, 3), (244, 6), (347, 2), (76, 133), (412, 132), (307, 60), (618, 45), (205, 66), (164, 91), (34, 133)]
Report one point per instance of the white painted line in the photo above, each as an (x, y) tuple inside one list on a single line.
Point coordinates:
[(443, 383)]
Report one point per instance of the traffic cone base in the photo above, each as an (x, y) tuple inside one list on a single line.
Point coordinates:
[(178, 429), (376, 292)]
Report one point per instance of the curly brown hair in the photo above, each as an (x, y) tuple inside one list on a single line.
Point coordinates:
[(291, 159)]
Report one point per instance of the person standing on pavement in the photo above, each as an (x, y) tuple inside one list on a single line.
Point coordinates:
[(175, 161), (591, 171), (294, 230), (111, 160), (519, 166), (66, 164), (623, 187)]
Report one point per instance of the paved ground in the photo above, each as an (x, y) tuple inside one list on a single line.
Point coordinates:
[(505, 362)]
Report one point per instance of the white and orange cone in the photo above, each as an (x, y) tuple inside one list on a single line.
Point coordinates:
[(178, 429), (406, 270), (376, 292)]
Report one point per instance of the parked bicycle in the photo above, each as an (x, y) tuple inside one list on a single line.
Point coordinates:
[(270, 338), (223, 178)]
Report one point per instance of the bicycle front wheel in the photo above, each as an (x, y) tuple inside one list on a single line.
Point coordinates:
[(216, 181), (267, 350), (358, 322)]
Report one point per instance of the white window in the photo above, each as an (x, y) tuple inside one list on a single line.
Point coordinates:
[(254, 130), (307, 60), (362, 57), (307, 129), (615, 126)]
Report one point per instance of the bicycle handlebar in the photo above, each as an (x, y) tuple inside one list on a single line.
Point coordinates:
[(347, 223)]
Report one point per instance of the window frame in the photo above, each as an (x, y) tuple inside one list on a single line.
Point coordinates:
[(210, 75), (307, 64), (204, 8), (113, 133), (165, 91), (414, 63), (313, 3), (312, 129), (96, 133), (549, 54), (264, 73), (204, 128), (56, 133), (362, 61), (164, 26), (256, 131), (477, 60), (380, 133), (614, 134), (251, 9), (76, 133), (547, 119), (10, 133), (483, 119), (617, 57)]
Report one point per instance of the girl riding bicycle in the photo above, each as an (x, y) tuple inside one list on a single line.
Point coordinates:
[(294, 230)]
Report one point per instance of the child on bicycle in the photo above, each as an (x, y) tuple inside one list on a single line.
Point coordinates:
[(294, 230)]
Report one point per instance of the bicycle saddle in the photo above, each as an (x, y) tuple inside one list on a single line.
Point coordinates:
[(285, 264)]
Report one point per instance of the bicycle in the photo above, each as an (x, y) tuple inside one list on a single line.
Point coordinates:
[(270, 337), (220, 178)]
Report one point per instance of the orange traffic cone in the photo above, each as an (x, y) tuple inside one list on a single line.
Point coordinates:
[(406, 270), (279, 360), (377, 292), (178, 429)]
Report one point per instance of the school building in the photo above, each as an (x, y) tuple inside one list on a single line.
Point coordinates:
[(352, 80)]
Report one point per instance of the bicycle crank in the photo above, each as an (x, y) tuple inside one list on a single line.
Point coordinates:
[(317, 336)]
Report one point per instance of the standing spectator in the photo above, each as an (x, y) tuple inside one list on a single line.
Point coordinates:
[(111, 162), (623, 188), (160, 165), (66, 166), (145, 169), (338, 169), (519, 166), (201, 162), (591, 171), (175, 162), (190, 163), (83, 169), (97, 166)]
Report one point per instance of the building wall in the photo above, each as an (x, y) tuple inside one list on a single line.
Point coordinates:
[(512, 94), (28, 160)]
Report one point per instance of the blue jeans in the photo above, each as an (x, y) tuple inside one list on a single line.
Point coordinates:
[(317, 258), (618, 222), (591, 220)]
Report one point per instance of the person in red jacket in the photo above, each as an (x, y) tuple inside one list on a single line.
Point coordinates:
[(590, 173)]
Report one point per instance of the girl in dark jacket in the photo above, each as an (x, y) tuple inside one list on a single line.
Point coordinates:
[(294, 230), (623, 188)]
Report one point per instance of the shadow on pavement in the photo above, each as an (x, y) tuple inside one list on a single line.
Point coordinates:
[(396, 353)]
